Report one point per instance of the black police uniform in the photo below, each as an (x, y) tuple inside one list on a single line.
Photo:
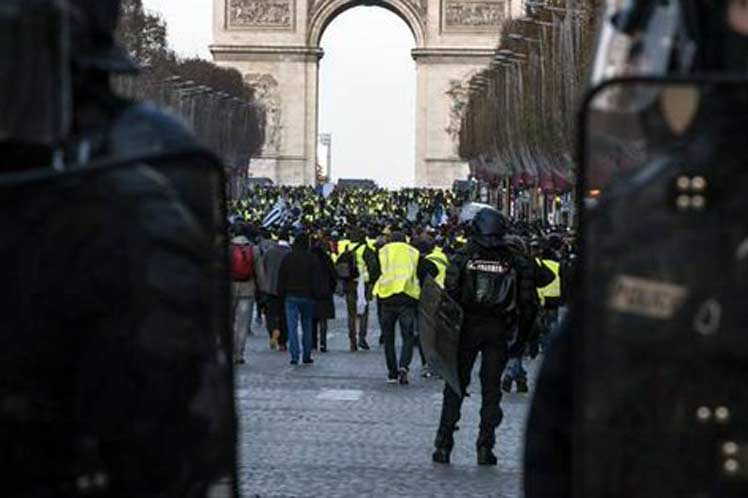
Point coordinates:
[(472, 280)]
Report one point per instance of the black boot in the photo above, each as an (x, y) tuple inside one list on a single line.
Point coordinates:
[(506, 384), (441, 455), (443, 443), (486, 456), (522, 386)]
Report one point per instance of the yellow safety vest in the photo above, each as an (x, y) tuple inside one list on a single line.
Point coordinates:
[(441, 261), (342, 246), (554, 288), (399, 264)]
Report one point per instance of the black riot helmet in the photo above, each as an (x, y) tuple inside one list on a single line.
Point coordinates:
[(672, 37), (489, 227), (94, 47), (35, 89)]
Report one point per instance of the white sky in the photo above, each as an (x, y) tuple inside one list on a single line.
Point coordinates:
[(367, 85)]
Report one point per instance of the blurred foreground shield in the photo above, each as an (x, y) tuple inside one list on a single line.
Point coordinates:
[(115, 353), (440, 324), (660, 318)]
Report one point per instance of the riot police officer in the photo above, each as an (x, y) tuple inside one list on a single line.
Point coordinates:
[(492, 283), (651, 360), (116, 357)]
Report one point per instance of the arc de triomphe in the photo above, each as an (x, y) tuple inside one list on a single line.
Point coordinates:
[(275, 45)]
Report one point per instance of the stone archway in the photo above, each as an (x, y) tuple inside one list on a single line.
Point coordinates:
[(325, 11), (275, 45)]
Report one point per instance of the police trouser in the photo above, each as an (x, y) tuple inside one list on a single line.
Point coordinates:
[(487, 337)]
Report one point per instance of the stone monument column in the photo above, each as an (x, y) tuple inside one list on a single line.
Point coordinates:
[(265, 40)]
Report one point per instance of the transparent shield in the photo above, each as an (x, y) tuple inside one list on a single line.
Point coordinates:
[(661, 317), (637, 39)]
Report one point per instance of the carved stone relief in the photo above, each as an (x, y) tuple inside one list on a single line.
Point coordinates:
[(420, 6), (268, 95), (261, 13), (480, 14)]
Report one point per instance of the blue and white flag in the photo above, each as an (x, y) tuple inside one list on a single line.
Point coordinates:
[(276, 215)]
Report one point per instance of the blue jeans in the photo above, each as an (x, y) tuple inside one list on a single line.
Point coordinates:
[(299, 309)]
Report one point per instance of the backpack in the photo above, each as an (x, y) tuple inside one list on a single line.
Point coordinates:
[(242, 263), (346, 266), (493, 285)]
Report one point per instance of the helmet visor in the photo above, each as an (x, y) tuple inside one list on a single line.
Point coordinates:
[(637, 38)]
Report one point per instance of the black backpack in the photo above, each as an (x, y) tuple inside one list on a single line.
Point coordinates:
[(346, 266), (492, 285)]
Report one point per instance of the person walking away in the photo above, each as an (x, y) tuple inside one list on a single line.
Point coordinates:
[(324, 306), (298, 285), (491, 283), (550, 295), (275, 314), (243, 263), (515, 372), (435, 256), (398, 273), (349, 266)]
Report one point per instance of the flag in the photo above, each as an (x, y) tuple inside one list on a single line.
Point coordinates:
[(276, 215)]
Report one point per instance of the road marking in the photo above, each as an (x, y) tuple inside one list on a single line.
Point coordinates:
[(340, 395)]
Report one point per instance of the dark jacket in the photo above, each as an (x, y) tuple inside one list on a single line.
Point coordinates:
[(272, 260), (529, 277), (300, 275), (324, 306)]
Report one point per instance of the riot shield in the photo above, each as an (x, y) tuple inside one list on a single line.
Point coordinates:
[(659, 342), (116, 354), (439, 325)]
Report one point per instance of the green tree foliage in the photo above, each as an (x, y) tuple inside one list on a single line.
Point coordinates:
[(214, 101), (142, 33), (520, 118)]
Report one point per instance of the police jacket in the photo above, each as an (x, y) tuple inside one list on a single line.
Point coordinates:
[(528, 278)]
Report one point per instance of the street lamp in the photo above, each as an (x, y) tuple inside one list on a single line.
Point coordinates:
[(326, 140)]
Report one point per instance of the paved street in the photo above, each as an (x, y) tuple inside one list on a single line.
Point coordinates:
[(337, 429)]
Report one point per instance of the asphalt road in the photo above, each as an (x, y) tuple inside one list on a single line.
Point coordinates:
[(336, 428)]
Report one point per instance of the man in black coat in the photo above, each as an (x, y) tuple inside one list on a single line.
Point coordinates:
[(324, 306), (298, 285)]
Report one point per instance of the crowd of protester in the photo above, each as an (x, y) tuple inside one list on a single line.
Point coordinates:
[(297, 247)]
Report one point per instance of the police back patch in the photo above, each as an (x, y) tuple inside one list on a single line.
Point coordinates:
[(488, 266), (648, 298)]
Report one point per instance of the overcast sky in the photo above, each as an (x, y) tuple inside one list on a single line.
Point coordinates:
[(367, 85)]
